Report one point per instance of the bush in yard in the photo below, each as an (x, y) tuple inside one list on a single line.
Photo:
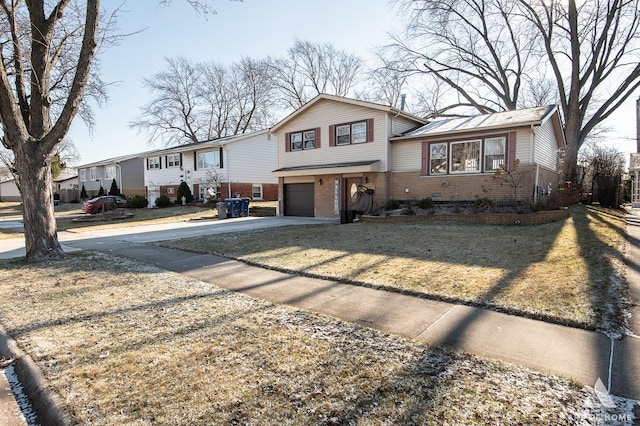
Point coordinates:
[(163, 201), (138, 202), (425, 203), (392, 205), (83, 193), (184, 191), (114, 190)]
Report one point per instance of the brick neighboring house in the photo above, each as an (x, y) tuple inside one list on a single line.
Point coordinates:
[(128, 171), (332, 145), (236, 165)]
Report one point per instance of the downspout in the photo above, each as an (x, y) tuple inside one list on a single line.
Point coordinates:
[(537, 179)]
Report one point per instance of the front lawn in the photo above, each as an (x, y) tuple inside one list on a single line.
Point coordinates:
[(566, 271), (124, 343)]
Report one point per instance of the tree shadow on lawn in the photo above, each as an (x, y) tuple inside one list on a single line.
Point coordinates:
[(409, 392)]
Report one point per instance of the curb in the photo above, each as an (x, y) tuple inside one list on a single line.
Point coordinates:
[(48, 406)]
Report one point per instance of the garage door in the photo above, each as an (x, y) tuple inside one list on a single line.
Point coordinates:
[(298, 199)]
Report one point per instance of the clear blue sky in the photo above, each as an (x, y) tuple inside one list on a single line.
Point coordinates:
[(254, 28)]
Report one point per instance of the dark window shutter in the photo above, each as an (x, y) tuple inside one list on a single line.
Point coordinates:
[(318, 137), (511, 161), (425, 150), (370, 130), (287, 142), (221, 160), (332, 135), (160, 162), (195, 160), (180, 159), (147, 164), (166, 163)]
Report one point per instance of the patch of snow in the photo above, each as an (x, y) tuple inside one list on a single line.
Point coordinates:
[(23, 402)]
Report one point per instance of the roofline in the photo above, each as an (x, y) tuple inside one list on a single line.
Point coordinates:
[(550, 112), (207, 143), (365, 104)]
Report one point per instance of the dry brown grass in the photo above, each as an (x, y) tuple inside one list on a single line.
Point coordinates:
[(561, 271), (124, 343)]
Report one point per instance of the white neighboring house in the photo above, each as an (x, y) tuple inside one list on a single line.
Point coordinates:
[(9, 190), (239, 165)]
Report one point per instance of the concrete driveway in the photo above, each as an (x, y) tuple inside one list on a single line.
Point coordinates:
[(72, 241)]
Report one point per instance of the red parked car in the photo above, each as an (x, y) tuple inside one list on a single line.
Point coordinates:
[(98, 204)]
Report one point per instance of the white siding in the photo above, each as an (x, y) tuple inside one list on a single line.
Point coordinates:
[(524, 149), (406, 156), (324, 114), (546, 146), (251, 160)]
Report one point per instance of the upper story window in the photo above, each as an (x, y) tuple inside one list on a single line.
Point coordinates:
[(351, 133), (173, 160), (110, 172), (471, 156), (153, 163), (306, 139), (208, 159), (83, 175), (93, 173)]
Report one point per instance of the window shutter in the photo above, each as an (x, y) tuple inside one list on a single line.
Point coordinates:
[(512, 152), (147, 164), (318, 137), (166, 164), (425, 149), (332, 135), (180, 159), (160, 162), (221, 160), (287, 145), (195, 160), (370, 130)]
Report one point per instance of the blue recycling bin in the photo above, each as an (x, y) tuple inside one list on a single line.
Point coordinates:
[(234, 205), (245, 207)]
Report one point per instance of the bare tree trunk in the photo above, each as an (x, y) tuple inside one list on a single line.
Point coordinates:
[(41, 239)]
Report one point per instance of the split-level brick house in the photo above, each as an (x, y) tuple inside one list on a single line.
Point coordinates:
[(332, 144)]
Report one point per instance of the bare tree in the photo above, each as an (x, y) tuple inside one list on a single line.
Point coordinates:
[(311, 69), (173, 114), (477, 47), (592, 50), (47, 49), (201, 101), (503, 54)]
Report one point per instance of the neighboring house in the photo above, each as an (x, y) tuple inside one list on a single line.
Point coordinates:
[(239, 165), (128, 171), (331, 145), (634, 170), (9, 190), (66, 186)]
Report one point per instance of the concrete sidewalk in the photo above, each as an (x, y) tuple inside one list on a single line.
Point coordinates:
[(582, 355), (579, 354)]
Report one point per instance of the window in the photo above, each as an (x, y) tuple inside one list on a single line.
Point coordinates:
[(208, 159), (472, 156), (93, 172), (153, 163), (495, 154), (303, 140), (256, 192), (110, 172), (83, 175), (465, 157), (351, 133), (438, 158), (173, 160)]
